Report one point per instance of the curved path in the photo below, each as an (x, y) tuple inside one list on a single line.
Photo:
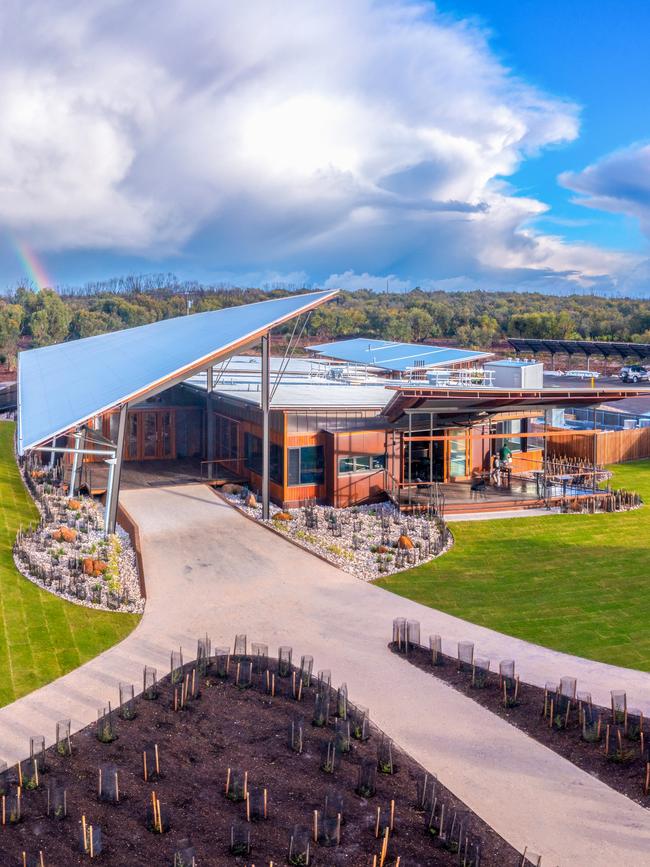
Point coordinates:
[(210, 569)]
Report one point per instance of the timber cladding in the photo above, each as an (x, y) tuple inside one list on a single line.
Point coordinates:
[(610, 447)]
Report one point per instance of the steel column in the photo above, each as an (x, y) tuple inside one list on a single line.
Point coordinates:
[(210, 426), (115, 473), (75, 464), (266, 406)]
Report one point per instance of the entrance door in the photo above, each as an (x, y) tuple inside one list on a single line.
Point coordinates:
[(157, 435)]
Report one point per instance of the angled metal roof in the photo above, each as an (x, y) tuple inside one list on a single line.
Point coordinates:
[(394, 356), (63, 385)]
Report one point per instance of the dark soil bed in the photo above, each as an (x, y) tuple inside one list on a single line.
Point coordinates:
[(246, 730), (627, 777)]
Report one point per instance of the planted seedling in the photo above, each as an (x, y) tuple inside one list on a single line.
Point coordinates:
[(342, 701), (150, 684), (367, 778), (296, 734), (106, 733), (256, 804), (150, 763), (435, 646), (260, 654), (157, 816), (176, 665), (385, 820), (342, 736), (11, 807), (185, 855), (359, 722), (63, 741), (306, 668), (127, 710), (236, 785), (321, 709), (299, 847), (284, 661), (57, 801), (328, 756), (480, 673), (90, 839), (326, 828), (108, 788), (385, 763), (240, 839), (222, 662)]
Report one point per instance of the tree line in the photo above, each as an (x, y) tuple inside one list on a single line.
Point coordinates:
[(480, 320)]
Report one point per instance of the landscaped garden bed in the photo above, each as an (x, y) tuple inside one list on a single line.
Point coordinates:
[(69, 553), (368, 541), (243, 760), (612, 744)]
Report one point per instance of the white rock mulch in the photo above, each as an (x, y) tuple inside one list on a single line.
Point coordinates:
[(362, 533)]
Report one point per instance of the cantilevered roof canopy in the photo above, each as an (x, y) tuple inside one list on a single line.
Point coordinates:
[(470, 401), (398, 357), (62, 386)]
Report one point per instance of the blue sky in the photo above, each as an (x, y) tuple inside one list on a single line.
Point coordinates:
[(452, 145), (595, 53)]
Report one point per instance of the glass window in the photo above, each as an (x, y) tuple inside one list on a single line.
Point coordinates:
[(361, 463), (253, 457), (457, 467), (306, 465)]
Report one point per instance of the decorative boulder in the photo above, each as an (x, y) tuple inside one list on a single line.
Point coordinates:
[(231, 489), (64, 534), (251, 501), (99, 566), (282, 516), (74, 505), (88, 567), (404, 543), (382, 549)]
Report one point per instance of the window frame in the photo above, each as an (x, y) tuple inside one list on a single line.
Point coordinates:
[(357, 471)]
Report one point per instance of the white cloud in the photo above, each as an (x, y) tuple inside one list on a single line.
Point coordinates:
[(351, 136), (619, 183)]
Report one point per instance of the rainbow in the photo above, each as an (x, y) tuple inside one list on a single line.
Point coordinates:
[(33, 266)]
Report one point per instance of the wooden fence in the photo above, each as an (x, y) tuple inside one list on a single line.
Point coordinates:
[(611, 447)]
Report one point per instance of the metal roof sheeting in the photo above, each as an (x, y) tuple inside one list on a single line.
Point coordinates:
[(397, 357), (607, 348), (64, 385)]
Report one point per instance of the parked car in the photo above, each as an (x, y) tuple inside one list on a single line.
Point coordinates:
[(634, 373), (583, 374)]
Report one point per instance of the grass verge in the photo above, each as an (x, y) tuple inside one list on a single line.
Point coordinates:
[(41, 636), (575, 583)]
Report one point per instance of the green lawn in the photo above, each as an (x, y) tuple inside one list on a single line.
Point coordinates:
[(577, 583), (41, 636)]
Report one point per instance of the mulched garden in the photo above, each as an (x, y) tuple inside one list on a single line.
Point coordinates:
[(225, 740), (612, 744)]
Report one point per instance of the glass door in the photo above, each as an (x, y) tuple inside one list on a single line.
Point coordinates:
[(132, 424), (165, 434), (149, 435)]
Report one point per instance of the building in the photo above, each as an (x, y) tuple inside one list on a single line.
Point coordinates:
[(358, 422)]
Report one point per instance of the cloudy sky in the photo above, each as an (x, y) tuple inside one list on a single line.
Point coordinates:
[(497, 144)]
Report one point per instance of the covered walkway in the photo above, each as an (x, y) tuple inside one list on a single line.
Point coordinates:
[(210, 569)]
